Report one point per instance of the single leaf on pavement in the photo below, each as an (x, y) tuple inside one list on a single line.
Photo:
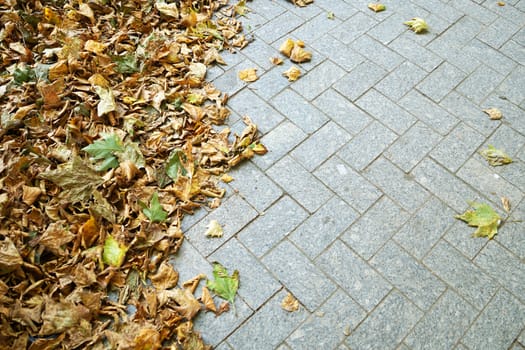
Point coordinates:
[(224, 286), (248, 75), (287, 47), (276, 61), (155, 212), (214, 229), (289, 303), (494, 113), (376, 7), (418, 25), (114, 252), (300, 55), (506, 204), (330, 15), (483, 217), (495, 157), (293, 73)]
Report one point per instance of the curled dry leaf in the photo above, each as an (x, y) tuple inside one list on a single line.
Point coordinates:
[(300, 55), (289, 303), (376, 7), (302, 3), (501, 3), (248, 75), (418, 25), (276, 61), (214, 229), (293, 73), (226, 178), (207, 300), (494, 113), (506, 204), (287, 47)]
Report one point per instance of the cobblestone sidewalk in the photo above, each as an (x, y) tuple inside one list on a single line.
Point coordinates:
[(372, 153)]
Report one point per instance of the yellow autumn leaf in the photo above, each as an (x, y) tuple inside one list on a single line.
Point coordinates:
[(418, 25), (376, 7), (300, 55), (289, 303), (287, 47), (276, 61), (214, 229), (494, 113), (94, 46), (248, 75), (292, 73)]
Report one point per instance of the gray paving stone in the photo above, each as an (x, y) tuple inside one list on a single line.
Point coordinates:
[(260, 52), (324, 332), (444, 185), (475, 11), (395, 183), (360, 281), (429, 112), (504, 267), (268, 327), (513, 87), (348, 184), (299, 183), (412, 146), (321, 145), (507, 139), (443, 326), (510, 13), (215, 329), (497, 33), (468, 112), (279, 141), (517, 346), (223, 346), (229, 82), (459, 34), (359, 80), (353, 27), (254, 186), (260, 112), (467, 279), (514, 51), (233, 215), (408, 275), (299, 111), (191, 219), (425, 228), (388, 29), (457, 147), (443, 10), (323, 227), (492, 58), (267, 230), (511, 234), (478, 85), (304, 279), (407, 9), (253, 20), (460, 236), (256, 283), (416, 53), (272, 82), (401, 80), (513, 114), (284, 346), (316, 27), (338, 52), (189, 263), (513, 173), (498, 325), (367, 145), (375, 227), (340, 8), (387, 325), (266, 9), (377, 52), (441, 81), (342, 111), (521, 339), (486, 181), (386, 111), (278, 26), (318, 80)]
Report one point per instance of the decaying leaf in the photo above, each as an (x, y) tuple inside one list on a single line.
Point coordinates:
[(226, 178), (300, 55), (207, 300), (302, 3), (483, 217), (10, 258), (167, 9), (214, 229), (330, 15), (418, 25), (506, 204), (224, 286), (166, 276), (287, 47), (293, 73), (114, 252), (289, 303), (276, 61), (494, 113), (495, 157), (376, 7), (248, 75)]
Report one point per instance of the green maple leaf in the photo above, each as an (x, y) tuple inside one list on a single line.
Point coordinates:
[(174, 167), (224, 286), (155, 212), (105, 150), (495, 156), (483, 217)]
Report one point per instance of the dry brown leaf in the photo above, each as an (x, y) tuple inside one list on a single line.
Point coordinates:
[(287, 47), (493, 113), (166, 276), (289, 303), (300, 55), (207, 300), (226, 178), (30, 194), (276, 61), (293, 73), (506, 204), (248, 75), (376, 7)]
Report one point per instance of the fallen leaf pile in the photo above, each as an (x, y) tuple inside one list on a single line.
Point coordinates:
[(483, 217), (107, 140)]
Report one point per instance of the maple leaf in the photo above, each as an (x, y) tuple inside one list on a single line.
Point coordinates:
[(495, 157), (224, 286), (483, 217), (293, 73), (418, 25), (105, 150), (214, 229), (155, 212)]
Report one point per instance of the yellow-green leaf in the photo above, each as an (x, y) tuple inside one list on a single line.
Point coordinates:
[(418, 25), (495, 156), (114, 252), (483, 217), (224, 285), (214, 229)]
